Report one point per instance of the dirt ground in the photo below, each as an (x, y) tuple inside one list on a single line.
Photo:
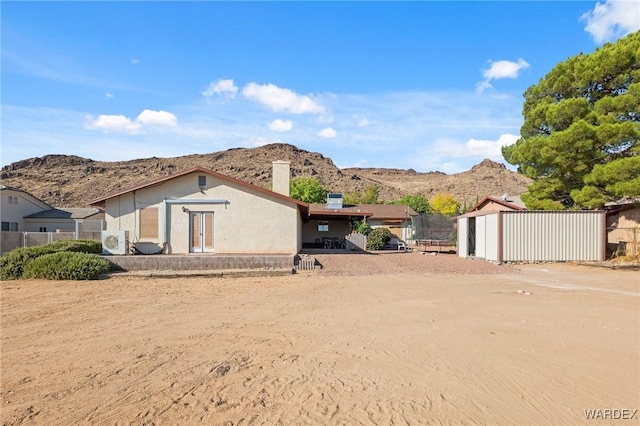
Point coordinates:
[(394, 338)]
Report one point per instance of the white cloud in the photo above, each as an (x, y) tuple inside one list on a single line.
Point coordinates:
[(135, 61), (108, 95), (482, 86), (476, 148), (281, 100), (281, 125), (122, 124), (157, 118), (501, 69), (504, 69), (327, 133), (113, 123), (612, 19), (490, 149), (225, 88)]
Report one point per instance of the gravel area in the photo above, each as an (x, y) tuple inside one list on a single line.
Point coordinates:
[(411, 262)]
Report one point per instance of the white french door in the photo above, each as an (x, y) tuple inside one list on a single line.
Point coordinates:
[(201, 235)]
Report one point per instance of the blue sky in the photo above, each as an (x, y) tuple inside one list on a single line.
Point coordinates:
[(422, 85)]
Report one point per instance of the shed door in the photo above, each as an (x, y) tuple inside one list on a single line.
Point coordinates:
[(462, 237), (471, 237), (201, 235), (481, 240)]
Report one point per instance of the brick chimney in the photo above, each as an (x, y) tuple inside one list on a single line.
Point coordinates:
[(281, 176)]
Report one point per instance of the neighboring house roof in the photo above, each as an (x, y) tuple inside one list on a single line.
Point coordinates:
[(65, 213), (510, 202), (36, 199), (102, 200), (372, 211), (617, 208)]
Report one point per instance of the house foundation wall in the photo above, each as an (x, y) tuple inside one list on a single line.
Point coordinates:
[(202, 262)]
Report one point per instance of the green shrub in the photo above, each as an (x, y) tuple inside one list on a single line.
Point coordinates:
[(67, 266), (13, 263), (377, 238), (363, 227), (82, 246)]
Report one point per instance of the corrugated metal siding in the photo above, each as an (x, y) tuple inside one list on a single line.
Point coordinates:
[(491, 238), (463, 237), (552, 236), (481, 237)]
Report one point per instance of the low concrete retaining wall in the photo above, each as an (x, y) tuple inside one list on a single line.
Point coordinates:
[(167, 262)]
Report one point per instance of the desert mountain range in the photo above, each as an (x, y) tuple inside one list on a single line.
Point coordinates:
[(72, 181)]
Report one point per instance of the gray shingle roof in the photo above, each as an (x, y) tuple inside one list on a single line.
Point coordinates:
[(65, 213)]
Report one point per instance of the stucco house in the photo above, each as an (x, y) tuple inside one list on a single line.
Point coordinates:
[(27, 220), (16, 204), (202, 211), (23, 212), (502, 203)]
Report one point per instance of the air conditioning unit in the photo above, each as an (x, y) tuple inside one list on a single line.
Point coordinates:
[(115, 242)]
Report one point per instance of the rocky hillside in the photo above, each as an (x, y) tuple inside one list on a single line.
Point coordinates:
[(71, 181)]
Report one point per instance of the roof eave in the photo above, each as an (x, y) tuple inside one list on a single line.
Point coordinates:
[(102, 201)]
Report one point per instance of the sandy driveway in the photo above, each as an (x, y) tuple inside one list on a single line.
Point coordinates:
[(473, 344)]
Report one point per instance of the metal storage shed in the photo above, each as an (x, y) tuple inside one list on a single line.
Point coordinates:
[(525, 235)]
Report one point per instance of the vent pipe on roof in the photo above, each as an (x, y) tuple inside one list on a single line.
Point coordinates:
[(281, 177)]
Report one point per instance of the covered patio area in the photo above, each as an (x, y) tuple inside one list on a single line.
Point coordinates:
[(329, 229)]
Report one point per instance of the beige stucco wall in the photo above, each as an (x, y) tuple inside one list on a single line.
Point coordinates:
[(249, 222)]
